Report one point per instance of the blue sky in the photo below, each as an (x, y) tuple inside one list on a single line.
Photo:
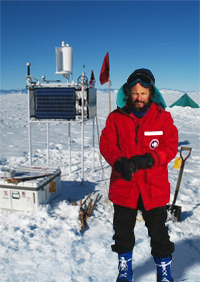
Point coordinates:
[(162, 36)]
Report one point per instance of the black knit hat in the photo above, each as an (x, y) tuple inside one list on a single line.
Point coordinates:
[(142, 71)]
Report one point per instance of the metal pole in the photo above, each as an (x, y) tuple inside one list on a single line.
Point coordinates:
[(109, 93), (47, 144), (29, 129), (69, 146), (82, 135), (29, 142), (93, 139)]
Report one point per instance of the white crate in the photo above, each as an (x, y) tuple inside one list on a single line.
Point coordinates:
[(28, 195)]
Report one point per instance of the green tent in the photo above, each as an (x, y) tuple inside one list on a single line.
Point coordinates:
[(185, 101)]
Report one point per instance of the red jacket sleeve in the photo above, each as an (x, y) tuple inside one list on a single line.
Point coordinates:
[(109, 140)]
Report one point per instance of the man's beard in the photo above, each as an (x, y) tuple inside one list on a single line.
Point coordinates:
[(144, 108)]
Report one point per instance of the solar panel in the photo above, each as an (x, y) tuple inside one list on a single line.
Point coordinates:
[(55, 103)]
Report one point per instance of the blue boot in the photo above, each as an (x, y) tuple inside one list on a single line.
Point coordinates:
[(163, 269), (125, 267)]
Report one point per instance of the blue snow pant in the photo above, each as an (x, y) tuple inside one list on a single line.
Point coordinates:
[(124, 222)]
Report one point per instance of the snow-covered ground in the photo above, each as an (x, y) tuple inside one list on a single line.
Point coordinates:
[(47, 245)]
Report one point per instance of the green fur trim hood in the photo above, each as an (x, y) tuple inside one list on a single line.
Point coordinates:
[(156, 98)]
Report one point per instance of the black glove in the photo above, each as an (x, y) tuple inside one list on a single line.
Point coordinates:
[(126, 166), (141, 162), (122, 166)]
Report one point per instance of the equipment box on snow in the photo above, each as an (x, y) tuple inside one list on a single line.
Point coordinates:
[(27, 187)]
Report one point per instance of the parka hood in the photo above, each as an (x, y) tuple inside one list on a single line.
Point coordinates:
[(156, 98)]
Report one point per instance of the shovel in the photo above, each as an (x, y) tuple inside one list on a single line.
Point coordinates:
[(174, 211)]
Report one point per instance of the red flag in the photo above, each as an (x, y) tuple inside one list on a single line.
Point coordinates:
[(92, 78), (104, 74)]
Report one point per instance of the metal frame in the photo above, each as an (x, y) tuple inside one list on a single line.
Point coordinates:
[(81, 121)]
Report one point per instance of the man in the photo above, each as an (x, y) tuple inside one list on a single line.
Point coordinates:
[(138, 141)]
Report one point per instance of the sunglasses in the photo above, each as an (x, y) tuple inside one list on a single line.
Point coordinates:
[(143, 79)]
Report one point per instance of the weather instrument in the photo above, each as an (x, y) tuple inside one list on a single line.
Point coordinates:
[(69, 102)]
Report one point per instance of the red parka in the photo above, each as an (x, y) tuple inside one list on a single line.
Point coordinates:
[(125, 135)]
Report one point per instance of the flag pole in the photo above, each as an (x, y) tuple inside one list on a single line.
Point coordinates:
[(109, 91)]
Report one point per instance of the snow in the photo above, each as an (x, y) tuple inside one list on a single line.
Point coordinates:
[(47, 245)]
